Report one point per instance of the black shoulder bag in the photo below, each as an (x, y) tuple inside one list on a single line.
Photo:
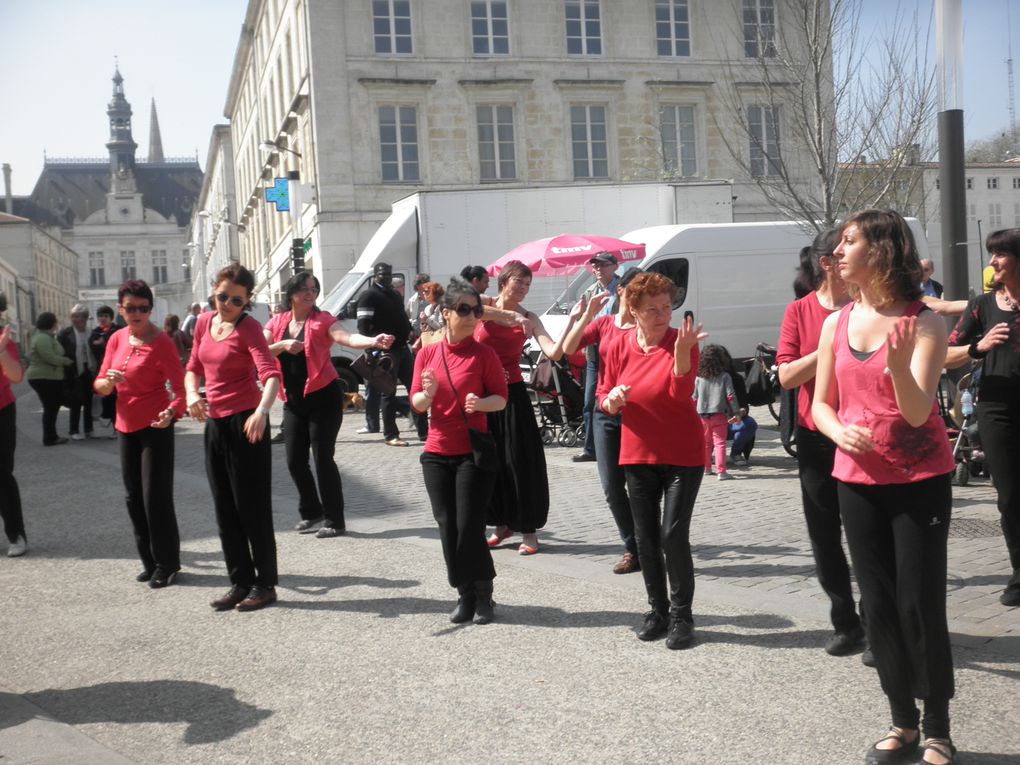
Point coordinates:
[(378, 370), (483, 445)]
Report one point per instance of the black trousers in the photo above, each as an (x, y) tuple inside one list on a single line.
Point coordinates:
[(459, 493), (815, 455), (82, 403), (147, 467), (240, 479), (897, 535), (51, 393), (404, 362), (666, 534), (999, 424), (108, 406), (10, 496), (312, 423)]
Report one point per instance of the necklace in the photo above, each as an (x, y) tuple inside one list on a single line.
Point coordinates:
[(1009, 301)]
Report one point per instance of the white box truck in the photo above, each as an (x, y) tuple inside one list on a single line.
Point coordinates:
[(737, 278), (440, 232)]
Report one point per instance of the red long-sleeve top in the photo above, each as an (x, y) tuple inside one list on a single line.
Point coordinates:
[(317, 344), (798, 336), (6, 394), (507, 342), (232, 367), (147, 368)]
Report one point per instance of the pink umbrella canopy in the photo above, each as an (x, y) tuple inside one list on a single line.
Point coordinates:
[(566, 253)]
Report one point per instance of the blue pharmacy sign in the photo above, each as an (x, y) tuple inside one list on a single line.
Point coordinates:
[(279, 194)]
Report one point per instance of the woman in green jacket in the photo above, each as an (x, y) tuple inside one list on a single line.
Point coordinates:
[(46, 374)]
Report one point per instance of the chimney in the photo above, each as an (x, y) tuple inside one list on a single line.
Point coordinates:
[(8, 196)]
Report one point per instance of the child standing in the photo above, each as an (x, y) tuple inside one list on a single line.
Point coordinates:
[(717, 405)]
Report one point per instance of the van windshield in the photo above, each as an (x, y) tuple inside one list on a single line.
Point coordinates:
[(573, 292), (342, 292)]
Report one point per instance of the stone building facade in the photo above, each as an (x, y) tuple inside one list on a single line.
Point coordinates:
[(213, 233), (372, 101)]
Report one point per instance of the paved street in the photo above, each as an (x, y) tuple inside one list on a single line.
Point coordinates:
[(357, 663)]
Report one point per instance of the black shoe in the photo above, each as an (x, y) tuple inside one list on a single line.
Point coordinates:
[(465, 610), (162, 578), (903, 753), (234, 595), (145, 575), (583, 457), (655, 627), (307, 525), (327, 532), (279, 438), (259, 597), (868, 658), (485, 608), (843, 643), (1010, 597), (55, 442), (681, 635)]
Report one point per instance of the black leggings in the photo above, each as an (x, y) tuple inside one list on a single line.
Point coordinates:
[(667, 534), (147, 467), (999, 423), (897, 535), (313, 423), (10, 496), (50, 393), (459, 493)]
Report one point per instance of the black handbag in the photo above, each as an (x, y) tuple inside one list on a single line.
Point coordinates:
[(378, 370), (483, 445)]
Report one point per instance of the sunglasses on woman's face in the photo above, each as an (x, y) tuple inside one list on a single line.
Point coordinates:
[(464, 310), (136, 308), (235, 301)]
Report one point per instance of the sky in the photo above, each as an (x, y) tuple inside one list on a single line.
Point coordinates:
[(60, 54)]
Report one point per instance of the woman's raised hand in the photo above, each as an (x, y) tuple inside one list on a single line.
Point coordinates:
[(293, 346), (899, 345), (854, 439), (428, 383), (997, 335), (688, 336), (115, 376), (383, 341), (617, 398), (471, 403)]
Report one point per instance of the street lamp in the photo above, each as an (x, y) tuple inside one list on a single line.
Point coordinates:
[(273, 146)]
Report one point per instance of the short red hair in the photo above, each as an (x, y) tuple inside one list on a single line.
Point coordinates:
[(646, 285)]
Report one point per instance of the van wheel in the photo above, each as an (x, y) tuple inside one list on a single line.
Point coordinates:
[(348, 380)]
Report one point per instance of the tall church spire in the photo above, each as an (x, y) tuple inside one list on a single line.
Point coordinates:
[(121, 145), (155, 141)]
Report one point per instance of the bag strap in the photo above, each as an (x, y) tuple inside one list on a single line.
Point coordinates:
[(456, 396)]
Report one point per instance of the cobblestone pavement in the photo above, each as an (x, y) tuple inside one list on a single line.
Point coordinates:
[(357, 662)]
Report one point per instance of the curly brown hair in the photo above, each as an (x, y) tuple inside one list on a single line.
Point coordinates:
[(893, 259), (712, 361), (646, 285)]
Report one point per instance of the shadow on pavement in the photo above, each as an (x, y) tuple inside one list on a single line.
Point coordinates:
[(318, 585), (211, 713), (991, 658), (984, 758), (426, 532)]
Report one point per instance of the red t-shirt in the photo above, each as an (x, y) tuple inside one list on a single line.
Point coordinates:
[(507, 342), (6, 394), (232, 366), (474, 368), (659, 423), (902, 453), (603, 331), (147, 369), (802, 326)]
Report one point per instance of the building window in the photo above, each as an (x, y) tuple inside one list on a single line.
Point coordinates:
[(186, 264), (970, 184), (127, 265), (938, 184), (97, 270), (763, 130), (1016, 183), (489, 31), (588, 139), (159, 266), (995, 215), (398, 143), (972, 213), (759, 28), (672, 28), (1016, 213), (391, 24), (679, 156), (584, 27), (496, 143), (993, 183)]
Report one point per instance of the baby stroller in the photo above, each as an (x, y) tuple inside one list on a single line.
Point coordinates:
[(558, 401), (970, 458)]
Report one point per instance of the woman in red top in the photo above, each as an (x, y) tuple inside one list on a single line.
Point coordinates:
[(879, 362), (10, 497), (138, 362), (458, 380), (649, 375), (231, 353), (313, 412), (520, 502), (797, 357)]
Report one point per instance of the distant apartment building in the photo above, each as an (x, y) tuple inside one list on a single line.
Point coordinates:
[(372, 101)]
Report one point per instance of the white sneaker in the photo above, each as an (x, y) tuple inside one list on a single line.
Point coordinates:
[(77, 437), (18, 547)]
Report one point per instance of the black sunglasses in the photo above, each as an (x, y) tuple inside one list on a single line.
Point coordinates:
[(465, 310), (136, 308), (235, 301)]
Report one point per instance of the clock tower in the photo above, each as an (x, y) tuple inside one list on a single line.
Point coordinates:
[(124, 202)]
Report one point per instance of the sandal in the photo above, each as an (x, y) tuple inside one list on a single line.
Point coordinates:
[(940, 746), (902, 753), (497, 537)]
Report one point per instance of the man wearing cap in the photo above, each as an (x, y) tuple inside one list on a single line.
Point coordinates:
[(603, 265), (79, 375), (381, 310)]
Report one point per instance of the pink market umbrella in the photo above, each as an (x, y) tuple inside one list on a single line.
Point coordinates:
[(566, 253)]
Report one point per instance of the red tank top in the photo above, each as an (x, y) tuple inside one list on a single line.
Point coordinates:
[(902, 453), (507, 342)]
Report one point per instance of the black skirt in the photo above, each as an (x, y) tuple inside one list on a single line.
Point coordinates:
[(520, 499)]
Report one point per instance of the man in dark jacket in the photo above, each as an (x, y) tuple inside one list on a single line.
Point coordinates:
[(79, 375), (381, 309), (98, 339)]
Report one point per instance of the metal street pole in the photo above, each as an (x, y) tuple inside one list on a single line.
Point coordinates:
[(952, 183)]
